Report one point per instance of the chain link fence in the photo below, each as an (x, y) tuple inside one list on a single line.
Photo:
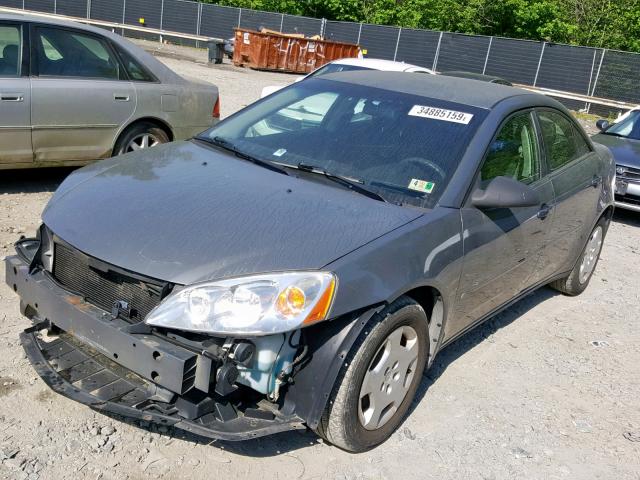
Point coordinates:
[(589, 71)]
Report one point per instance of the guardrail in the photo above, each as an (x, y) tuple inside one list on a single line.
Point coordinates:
[(113, 25)]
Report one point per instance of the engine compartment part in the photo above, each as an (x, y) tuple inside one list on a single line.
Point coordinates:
[(175, 377), (77, 371), (273, 355)]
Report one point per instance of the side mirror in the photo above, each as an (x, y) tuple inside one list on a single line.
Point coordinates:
[(602, 124), (505, 192)]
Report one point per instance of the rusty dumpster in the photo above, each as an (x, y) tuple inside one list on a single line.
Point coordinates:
[(287, 53)]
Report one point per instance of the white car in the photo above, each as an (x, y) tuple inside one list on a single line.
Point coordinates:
[(347, 64), (621, 116)]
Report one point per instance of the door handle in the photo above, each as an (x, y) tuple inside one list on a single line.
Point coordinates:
[(121, 98), (596, 181), (12, 97), (544, 211)]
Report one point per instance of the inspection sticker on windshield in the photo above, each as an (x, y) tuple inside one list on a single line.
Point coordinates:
[(440, 114), (421, 185), (280, 152)]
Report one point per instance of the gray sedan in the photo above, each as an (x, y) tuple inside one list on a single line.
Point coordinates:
[(309, 274), (623, 139), (71, 93)]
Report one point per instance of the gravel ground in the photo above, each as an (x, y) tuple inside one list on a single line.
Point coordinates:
[(548, 389)]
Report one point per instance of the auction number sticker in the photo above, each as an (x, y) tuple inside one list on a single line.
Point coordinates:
[(440, 114)]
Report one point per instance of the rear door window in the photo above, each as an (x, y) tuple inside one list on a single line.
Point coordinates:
[(10, 50), (69, 53), (563, 142)]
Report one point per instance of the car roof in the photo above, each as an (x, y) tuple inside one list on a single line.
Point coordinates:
[(26, 17), (379, 64), (440, 87), (474, 76), (159, 69)]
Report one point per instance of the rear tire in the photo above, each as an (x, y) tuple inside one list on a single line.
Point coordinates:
[(578, 280), (140, 136), (384, 355)]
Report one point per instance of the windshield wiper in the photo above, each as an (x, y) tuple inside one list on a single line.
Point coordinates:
[(229, 146), (354, 184)]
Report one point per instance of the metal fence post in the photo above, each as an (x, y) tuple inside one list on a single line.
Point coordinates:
[(281, 22), (88, 8), (359, 33), (161, 19), (199, 23), (435, 57), (595, 82), (55, 6), (124, 13), (23, 4), (323, 27), (395, 54), (239, 16), (535, 79), (486, 60), (587, 105)]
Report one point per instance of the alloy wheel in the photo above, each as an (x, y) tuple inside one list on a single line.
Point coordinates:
[(142, 141)]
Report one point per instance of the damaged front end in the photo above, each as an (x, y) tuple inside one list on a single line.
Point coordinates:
[(104, 336)]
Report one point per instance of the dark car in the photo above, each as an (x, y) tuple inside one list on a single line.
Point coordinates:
[(623, 139), (255, 280), (478, 76)]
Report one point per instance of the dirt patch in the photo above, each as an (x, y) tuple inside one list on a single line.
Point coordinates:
[(45, 396), (8, 385)]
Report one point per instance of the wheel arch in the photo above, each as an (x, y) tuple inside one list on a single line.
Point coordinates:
[(608, 213), (330, 344), (158, 122), (432, 302)]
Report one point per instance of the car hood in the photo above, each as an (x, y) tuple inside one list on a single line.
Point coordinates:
[(625, 151), (186, 212)]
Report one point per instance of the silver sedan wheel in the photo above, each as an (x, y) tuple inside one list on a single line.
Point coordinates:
[(142, 141), (388, 378), (591, 254)]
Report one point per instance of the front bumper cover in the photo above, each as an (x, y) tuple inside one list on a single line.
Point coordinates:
[(628, 194), (83, 369)]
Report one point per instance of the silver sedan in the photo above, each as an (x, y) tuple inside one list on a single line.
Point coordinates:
[(71, 94)]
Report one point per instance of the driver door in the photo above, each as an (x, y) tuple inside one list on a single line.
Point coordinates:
[(502, 246), (81, 95)]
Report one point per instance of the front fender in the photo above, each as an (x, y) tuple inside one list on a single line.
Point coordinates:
[(329, 343)]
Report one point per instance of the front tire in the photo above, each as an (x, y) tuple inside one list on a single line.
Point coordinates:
[(379, 379), (578, 280)]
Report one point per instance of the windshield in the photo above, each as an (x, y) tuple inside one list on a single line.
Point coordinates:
[(629, 127), (402, 147), (335, 67)]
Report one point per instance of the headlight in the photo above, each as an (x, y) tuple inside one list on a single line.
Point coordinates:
[(253, 305)]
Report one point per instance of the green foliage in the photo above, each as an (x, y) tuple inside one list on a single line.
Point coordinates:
[(598, 23)]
